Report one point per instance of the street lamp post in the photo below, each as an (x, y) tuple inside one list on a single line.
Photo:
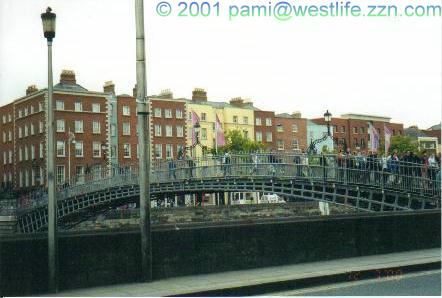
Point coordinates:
[(312, 147), (48, 20), (144, 145)]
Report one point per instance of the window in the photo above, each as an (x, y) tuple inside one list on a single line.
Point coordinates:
[(40, 127), (235, 119), (26, 130), (96, 127), (59, 105), (157, 130), (280, 144), (26, 153), (60, 174), (169, 131), (268, 121), (9, 118), (60, 125), (60, 148), (167, 113), (20, 180), (32, 152), (20, 133), (10, 136), (96, 108), (32, 129), (20, 114), (258, 136), (114, 151), (78, 148), (179, 114), (20, 154), (96, 149), (342, 129), (32, 109), (179, 131), (126, 150), (40, 106), (379, 130), (258, 122), (361, 130), (169, 151), (126, 128), (394, 132), (78, 126), (295, 144), (157, 112), (245, 120), (362, 143), (126, 111), (203, 116), (204, 134), (41, 150), (158, 151), (26, 111), (79, 174), (335, 128), (4, 118), (5, 159), (26, 178), (4, 137), (269, 137), (295, 128), (355, 130), (279, 128), (10, 156), (78, 106), (355, 142)]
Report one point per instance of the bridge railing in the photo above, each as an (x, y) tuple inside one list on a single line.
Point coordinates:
[(407, 177)]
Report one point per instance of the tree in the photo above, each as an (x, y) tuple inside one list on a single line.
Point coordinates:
[(236, 142), (403, 144)]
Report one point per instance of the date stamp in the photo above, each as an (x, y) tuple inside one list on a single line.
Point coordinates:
[(387, 274)]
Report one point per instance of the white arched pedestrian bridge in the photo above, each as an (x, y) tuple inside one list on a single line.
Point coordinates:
[(364, 184)]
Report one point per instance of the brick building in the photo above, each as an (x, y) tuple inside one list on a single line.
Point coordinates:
[(81, 133), (351, 130), (7, 145), (265, 129), (291, 132)]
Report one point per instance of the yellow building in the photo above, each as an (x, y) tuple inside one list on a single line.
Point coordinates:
[(238, 114)]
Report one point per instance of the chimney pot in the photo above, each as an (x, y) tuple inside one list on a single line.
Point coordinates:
[(109, 87), (31, 89), (67, 77), (199, 94)]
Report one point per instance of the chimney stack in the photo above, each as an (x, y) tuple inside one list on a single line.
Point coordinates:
[(67, 77), (199, 94), (31, 89), (237, 101), (166, 94), (109, 87)]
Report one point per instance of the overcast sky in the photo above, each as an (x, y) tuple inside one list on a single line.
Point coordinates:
[(378, 66)]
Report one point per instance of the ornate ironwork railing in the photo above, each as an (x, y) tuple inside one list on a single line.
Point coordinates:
[(380, 173)]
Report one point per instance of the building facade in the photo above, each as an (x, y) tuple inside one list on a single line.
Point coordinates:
[(350, 131), (291, 132), (265, 131)]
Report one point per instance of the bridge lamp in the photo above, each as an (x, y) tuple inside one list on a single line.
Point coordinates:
[(197, 128), (328, 118)]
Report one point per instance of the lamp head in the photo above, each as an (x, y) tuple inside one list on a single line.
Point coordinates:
[(48, 20)]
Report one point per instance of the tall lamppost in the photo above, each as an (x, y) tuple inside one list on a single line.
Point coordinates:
[(48, 20), (312, 147), (144, 144)]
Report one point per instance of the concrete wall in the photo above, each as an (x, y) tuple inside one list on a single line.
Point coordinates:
[(108, 258)]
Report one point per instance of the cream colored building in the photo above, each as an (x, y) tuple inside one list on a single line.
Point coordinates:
[(237, 114)]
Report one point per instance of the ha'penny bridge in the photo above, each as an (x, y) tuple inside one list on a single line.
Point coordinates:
[(365, 185)]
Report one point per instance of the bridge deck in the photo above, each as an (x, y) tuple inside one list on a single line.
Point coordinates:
[(351, 268)]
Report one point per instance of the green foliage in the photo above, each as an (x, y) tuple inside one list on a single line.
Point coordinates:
[(403, 144), (236, 142)]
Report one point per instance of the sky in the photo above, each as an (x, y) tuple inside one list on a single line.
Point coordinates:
[(379, 66)]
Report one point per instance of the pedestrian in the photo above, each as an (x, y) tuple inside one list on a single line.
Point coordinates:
[(172, 169)]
